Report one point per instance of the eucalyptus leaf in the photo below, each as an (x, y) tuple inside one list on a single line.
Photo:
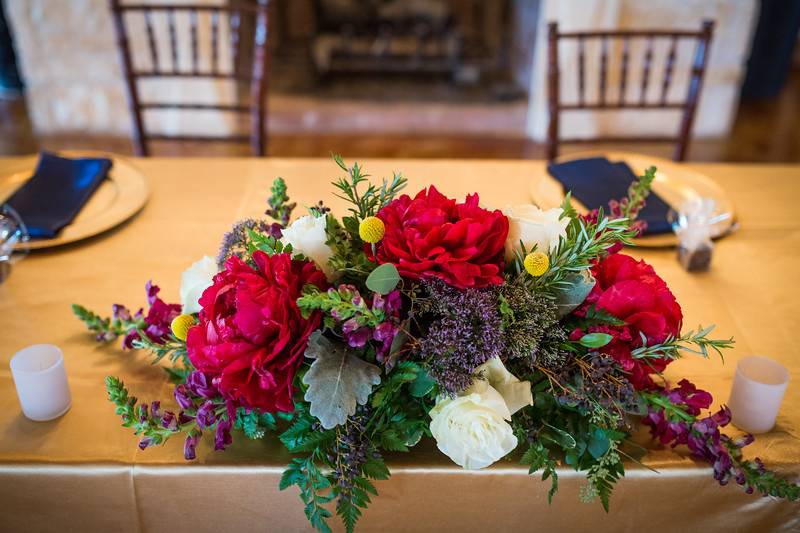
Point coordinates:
[(422, 385), (337, 381), (579, 285), (598, 444), (383, 279), (595, 340), (558, 436)]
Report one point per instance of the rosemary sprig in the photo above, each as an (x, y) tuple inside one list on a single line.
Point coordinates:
[(371, 200), (694, 342)]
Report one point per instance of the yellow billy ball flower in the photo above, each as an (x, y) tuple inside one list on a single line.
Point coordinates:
[(536, 263), (180, 326), (371, 230)]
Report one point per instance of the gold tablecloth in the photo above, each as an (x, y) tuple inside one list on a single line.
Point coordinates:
[(83, 472)]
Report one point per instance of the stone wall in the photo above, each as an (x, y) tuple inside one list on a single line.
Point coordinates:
[(68, 58)]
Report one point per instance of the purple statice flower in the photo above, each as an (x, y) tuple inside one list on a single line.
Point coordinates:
[(183, 397), (222, 436), (205, 415), (464, 332), (190, 445), (145, 442)]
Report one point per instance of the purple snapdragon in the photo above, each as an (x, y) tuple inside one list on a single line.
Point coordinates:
[(674, 419)]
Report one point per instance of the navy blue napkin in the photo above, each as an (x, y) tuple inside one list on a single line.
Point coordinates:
[(596, 180), (58, 190)]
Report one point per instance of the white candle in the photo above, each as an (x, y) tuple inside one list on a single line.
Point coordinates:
[(757, 393), (41, 382)]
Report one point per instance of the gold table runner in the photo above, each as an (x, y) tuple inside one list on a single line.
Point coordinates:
[(83, 472)]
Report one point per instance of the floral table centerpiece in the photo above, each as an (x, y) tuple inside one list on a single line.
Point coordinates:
[(487, 330)]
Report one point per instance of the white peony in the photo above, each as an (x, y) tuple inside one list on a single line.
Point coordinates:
[(517, 394), (473, 429), (307, 236), (534, 226), (194, 280)]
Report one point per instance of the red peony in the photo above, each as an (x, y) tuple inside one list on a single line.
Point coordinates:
[(631, 291), (251, 336), (432, 235)]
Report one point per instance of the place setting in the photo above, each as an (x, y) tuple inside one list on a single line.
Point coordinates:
[(388, 284)]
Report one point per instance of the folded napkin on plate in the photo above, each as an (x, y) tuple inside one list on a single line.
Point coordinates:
[(596, 180), (56, 193)]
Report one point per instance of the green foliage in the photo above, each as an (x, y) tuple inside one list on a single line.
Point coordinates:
[(603, 474), (536, 458), (369, 201), (638, 192), (585, 242), (340, 302), (348, 257), (138, 417), (172, 348), (253, 423), (265, 243), (305, 435), (338, 380), (694, 342), (595, 340), (383, 279), (279, 207), (106, 329), (315, 489), (395, 420)]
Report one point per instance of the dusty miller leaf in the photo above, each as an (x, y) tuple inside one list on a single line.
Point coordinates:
[(337, 381)]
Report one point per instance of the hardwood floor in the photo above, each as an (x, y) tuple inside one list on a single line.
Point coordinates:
[(762, 132)]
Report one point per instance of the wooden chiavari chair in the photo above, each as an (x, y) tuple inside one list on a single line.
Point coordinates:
[(256, 76), (688, 106)]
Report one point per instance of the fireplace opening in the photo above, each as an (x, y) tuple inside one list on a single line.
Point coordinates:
[(404, 50)]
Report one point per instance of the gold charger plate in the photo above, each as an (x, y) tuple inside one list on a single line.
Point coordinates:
[(116, 200), (674, 183)]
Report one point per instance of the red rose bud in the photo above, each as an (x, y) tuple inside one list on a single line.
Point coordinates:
[(434, 236)]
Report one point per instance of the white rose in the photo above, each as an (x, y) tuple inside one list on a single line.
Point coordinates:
[(194, 280), (517, 394), (472, 429), (534, 226), (307, 236)]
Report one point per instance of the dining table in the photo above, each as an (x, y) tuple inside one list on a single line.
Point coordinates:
[(85, 472)]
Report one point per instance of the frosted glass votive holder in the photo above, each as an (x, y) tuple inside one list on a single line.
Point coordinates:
[(41, 382), (757, 392)]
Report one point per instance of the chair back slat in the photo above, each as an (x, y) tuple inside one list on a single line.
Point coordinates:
[(648, 61), (581, 70), (669, 67), (623, 75), (255, 75), (193, 30), (214, 39), (603, 70), (151, 40), (235, 22), (173, 39), (660, 100)]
